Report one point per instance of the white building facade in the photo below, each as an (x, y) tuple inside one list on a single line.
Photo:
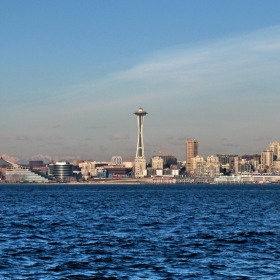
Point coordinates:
[(275, 148), (157, 163), (266, 160)]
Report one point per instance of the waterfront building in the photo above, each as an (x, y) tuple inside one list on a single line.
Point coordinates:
[(194, 162), (113, 171), (255, 163), (184, 180), (276, 166), (265, 178), (23, 175), (235, 164), (140, 169), (212, 159), (171, 172), (87, 169), (151, 172), (61, 170), (234, 179), (246, 167), (91, 169), (195, 180), (208, 169), (191, 152), (157, 162), (101, 173), (248, 179), (227, 161), (275, 148), (163, 180), (266, 160)]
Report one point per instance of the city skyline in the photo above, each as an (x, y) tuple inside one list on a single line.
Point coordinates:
[(191, 152), (202, 70)]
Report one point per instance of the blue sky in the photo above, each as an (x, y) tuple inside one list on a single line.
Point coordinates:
[(73, 72)]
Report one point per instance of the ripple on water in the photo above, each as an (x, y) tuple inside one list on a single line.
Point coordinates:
[(139, 232)]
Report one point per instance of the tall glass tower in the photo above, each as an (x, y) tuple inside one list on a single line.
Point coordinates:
[(140, 160)]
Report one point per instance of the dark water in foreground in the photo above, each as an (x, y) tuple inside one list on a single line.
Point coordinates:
[(139, 232)]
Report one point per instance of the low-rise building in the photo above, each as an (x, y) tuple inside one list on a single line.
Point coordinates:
[(23, 175), (140, 167), (206, 169), (276, 166), (163, 180), (157, 162), (248, 179), (194, 163)]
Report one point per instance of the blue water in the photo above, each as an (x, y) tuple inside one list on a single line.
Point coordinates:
[(139, 232)]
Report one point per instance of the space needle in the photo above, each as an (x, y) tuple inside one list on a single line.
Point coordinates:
[(140, 159)]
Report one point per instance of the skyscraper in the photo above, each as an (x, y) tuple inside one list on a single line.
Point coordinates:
[(275, 147), (140, 159), (191, 151), (266, 160)]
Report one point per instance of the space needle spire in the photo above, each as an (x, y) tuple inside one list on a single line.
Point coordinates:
[(140, 113), (140, 160)]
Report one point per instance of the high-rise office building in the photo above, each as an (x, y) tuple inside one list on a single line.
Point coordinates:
[(140, 159), (191, 151), (266, 160), (275, 148)]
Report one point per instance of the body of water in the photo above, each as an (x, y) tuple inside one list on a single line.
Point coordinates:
[(139, 232)]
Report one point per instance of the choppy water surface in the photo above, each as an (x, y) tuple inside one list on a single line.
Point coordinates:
[(139, 232)]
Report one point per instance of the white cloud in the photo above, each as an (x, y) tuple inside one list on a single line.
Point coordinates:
[(188, 71)]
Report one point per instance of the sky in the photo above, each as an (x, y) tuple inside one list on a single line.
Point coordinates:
[(72, 73)]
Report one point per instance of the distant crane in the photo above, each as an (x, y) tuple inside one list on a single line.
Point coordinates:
[(159, 152)]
